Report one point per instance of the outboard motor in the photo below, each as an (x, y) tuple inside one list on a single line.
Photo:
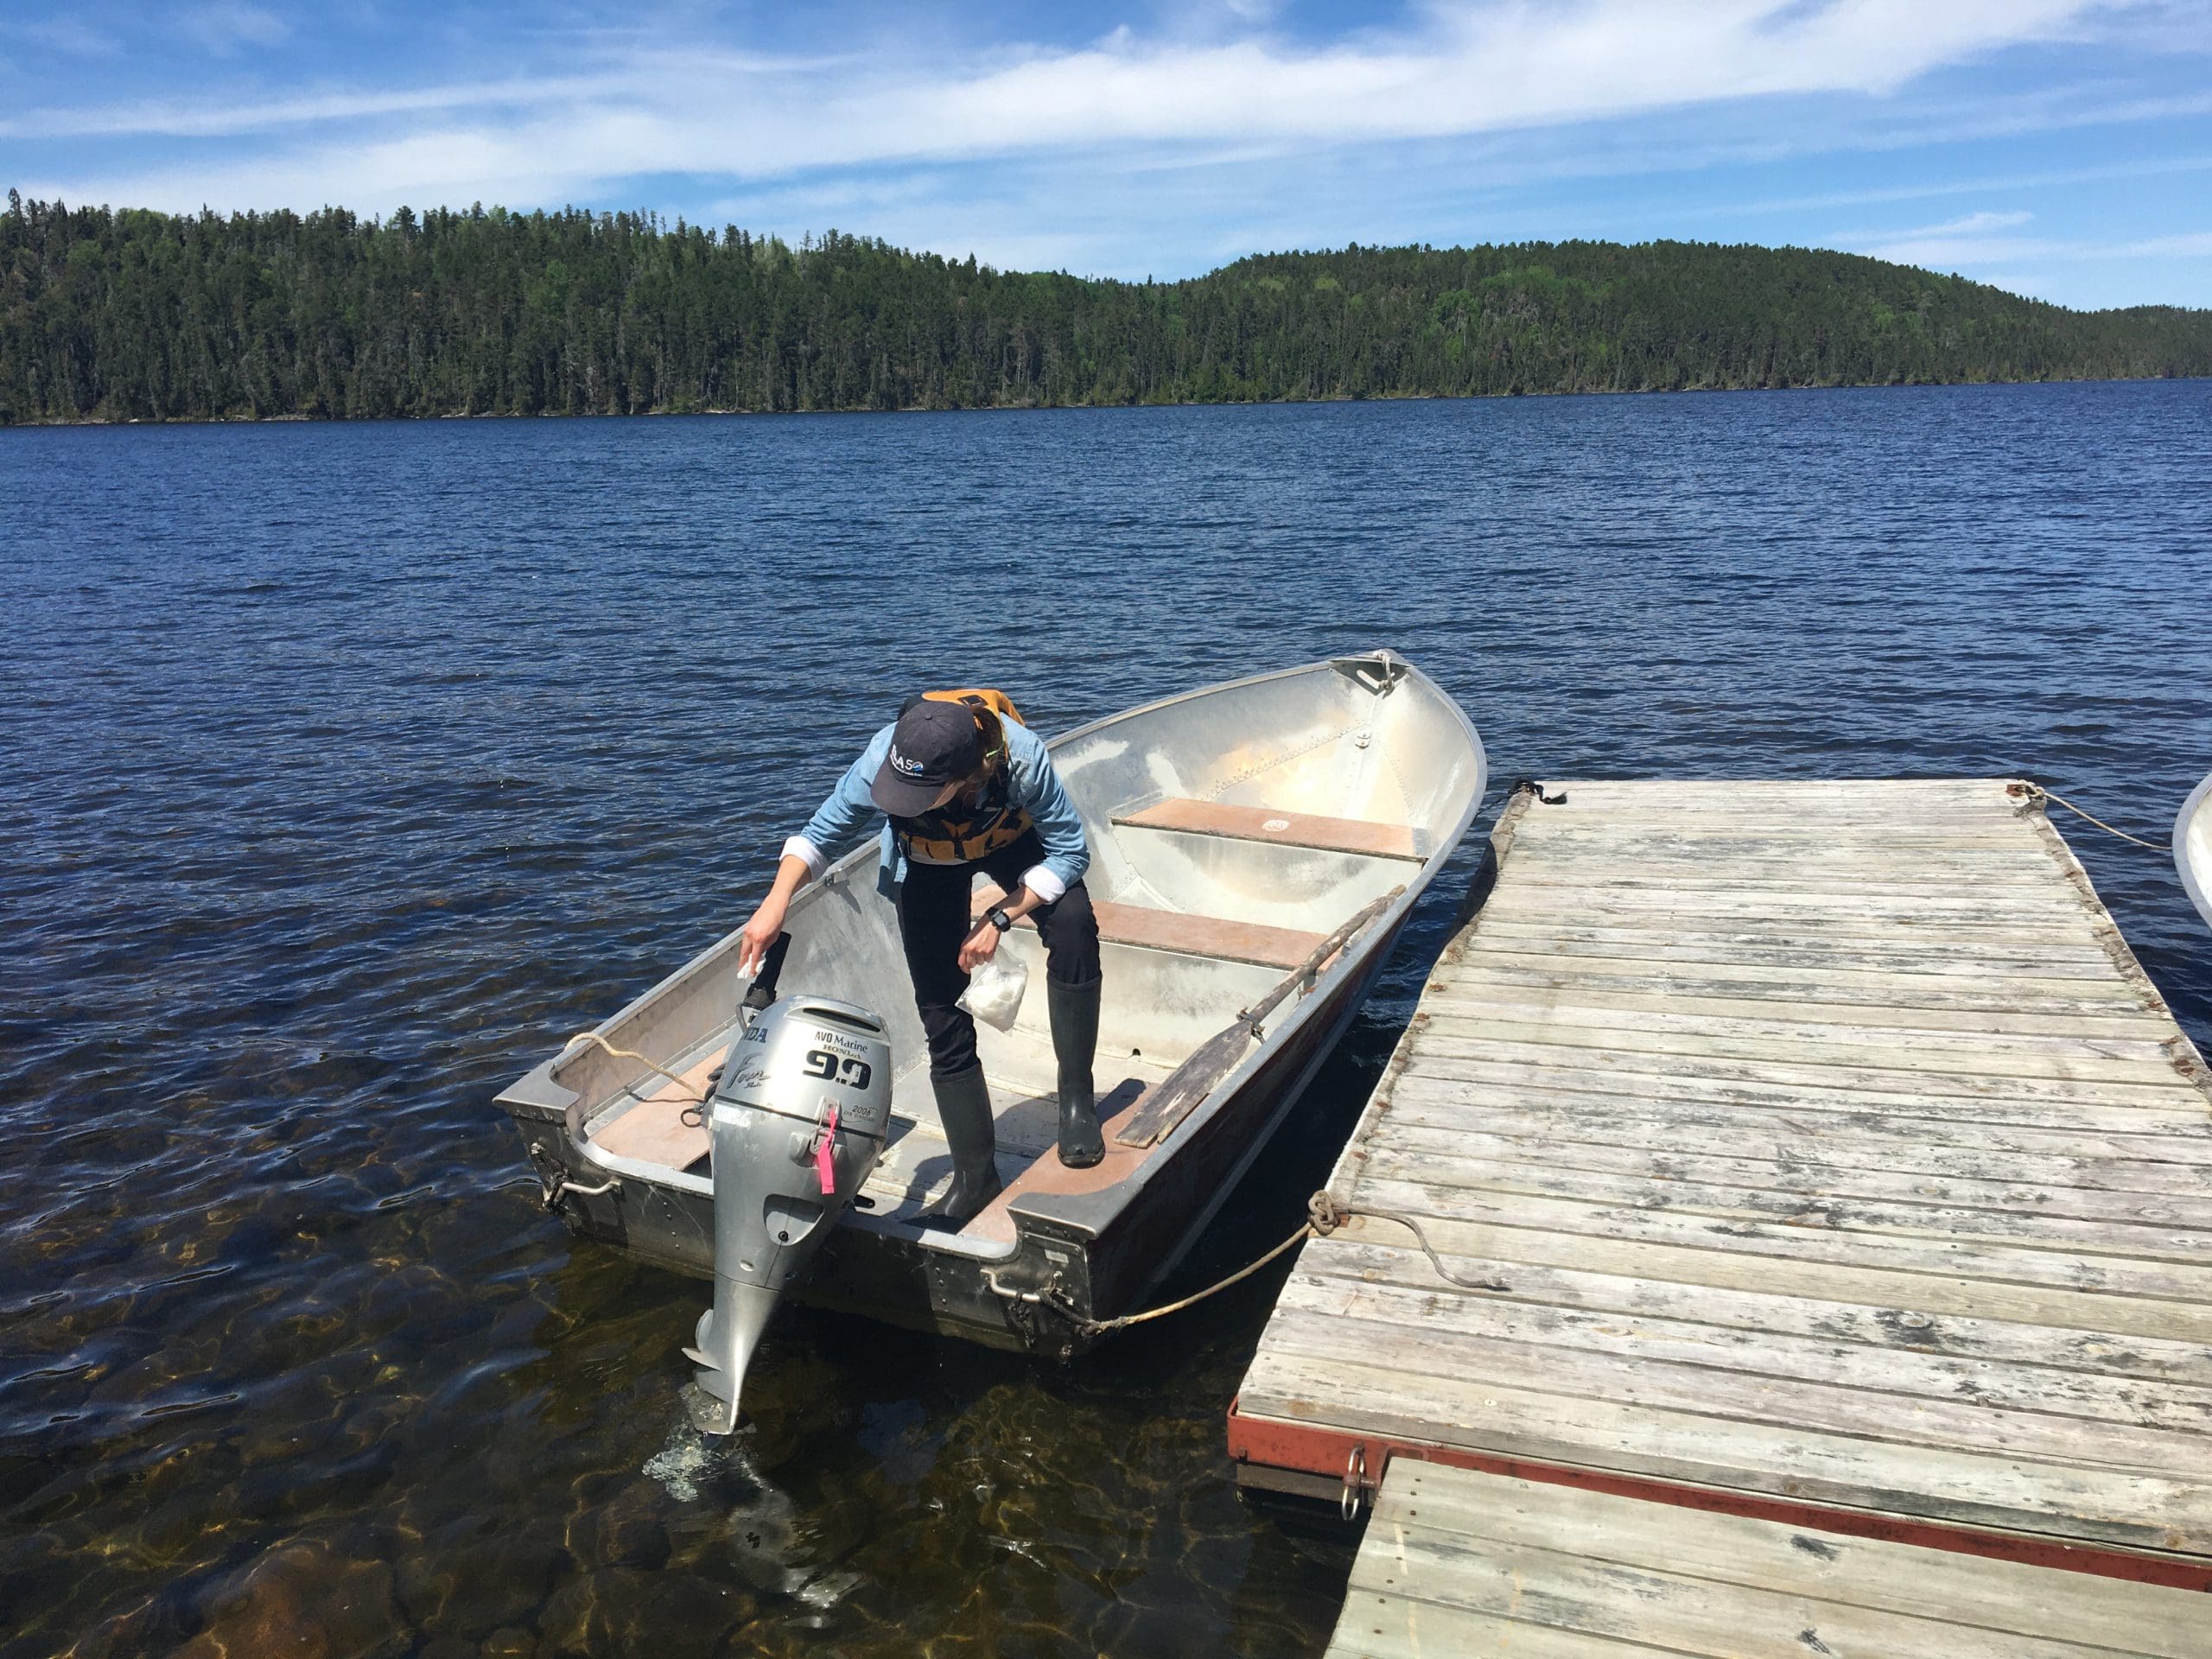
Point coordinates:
[(796, 1125)]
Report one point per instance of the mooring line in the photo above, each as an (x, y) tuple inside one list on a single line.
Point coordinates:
[(675, 1077), (1325, 1212), (2036, 791)]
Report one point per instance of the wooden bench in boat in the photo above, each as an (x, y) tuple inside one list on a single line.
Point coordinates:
[(1183, 935), (1309, 829), (666, 1128)]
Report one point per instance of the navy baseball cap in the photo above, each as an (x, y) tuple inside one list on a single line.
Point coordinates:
[(933, 744)]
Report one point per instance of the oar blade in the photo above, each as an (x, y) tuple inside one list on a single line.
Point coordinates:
[(1190, 1083)]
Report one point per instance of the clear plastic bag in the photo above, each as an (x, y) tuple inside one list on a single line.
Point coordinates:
[(993, 992)]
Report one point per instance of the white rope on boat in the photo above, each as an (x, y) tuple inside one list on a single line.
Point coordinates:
[(2036, 791), (677, 1078), (1325, 1212), (1094, 1326)]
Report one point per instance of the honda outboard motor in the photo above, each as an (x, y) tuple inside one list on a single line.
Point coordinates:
[(797, 1122)]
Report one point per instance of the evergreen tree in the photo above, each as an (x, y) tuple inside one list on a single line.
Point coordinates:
[(108, 314)]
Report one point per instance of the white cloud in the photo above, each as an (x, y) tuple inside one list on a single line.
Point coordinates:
[(1971, 225), (175, 120), (70, 35), (1977, 242), (2189, 244), (226, 25), (2133, 169), (1465, 69)]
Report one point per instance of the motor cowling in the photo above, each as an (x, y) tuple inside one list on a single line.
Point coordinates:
[(797, 1122)]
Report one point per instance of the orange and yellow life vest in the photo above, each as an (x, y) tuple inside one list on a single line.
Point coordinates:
[(960, 831), (980, 696)]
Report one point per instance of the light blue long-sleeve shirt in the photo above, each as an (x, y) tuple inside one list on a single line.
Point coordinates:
[(1035, 787)]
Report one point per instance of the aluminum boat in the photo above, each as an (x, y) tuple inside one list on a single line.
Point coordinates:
[(1256, 848)]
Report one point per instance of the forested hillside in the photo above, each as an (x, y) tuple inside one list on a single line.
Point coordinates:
[(133, 314)]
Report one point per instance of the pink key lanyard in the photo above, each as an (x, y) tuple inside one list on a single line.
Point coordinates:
[(825, 1155)]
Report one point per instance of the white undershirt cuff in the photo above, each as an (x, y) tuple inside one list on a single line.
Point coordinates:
[(799, 847), (1041, 881)]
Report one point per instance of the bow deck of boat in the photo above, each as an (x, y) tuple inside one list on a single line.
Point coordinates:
[(1834, 1164)]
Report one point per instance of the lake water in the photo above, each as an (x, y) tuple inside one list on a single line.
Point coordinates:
[(344, 771)]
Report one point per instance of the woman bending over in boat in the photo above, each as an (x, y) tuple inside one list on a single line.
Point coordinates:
[(967, 786)]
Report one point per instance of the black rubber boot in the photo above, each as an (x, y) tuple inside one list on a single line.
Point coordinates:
[(1075, 1042), (963, 1106)]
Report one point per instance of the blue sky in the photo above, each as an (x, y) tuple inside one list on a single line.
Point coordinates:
[(2058, 147)]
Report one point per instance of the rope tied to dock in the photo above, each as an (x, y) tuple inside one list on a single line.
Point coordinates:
[(1094, 1327), (1325, 1213), (2037, 793)]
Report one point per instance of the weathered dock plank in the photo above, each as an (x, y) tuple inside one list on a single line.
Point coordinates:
[(1817, 1145), (1467, 1564)]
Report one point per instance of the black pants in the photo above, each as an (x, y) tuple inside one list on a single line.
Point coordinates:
[(934, 917)]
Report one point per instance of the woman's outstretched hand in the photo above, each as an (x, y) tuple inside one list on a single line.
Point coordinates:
[(757, 935)]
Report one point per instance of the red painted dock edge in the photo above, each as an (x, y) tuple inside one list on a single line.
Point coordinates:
[(1334, 1454)]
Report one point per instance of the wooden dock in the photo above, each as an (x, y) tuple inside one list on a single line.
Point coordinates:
[(1471, 1565), (1815, 1154)]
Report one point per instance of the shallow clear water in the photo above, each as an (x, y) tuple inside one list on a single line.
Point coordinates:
[(346, 770)]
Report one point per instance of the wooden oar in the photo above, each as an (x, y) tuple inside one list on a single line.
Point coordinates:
[(1181, 1090)]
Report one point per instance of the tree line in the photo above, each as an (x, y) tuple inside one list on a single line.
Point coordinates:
[(127, 314)]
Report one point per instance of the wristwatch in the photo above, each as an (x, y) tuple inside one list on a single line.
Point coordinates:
[(997, 917)]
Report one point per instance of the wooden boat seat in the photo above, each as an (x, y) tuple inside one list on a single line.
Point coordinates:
[(1187, 934), (1268, 824), (667, 1128), (658, 1132)]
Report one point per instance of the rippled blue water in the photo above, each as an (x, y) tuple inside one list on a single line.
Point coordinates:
[(344, 769)]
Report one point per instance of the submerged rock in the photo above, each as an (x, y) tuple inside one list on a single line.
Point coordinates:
[(303, 1602)]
